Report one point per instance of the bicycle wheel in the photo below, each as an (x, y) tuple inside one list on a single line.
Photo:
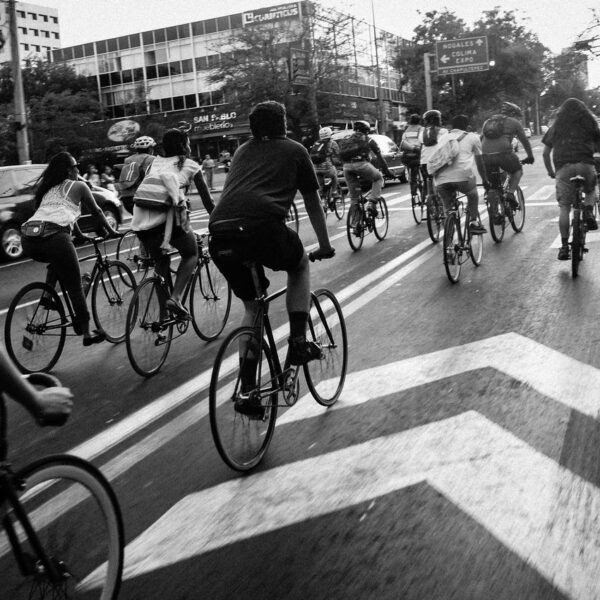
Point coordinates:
[(130, 251), (381, 221), (326, 326), (356, 235), (578, 243), (435, 217), (35, 328), (417, 205), (496, 213), (112, 291), (77, 519), (242, 440), (210, 300), (476, 248), (340, 205), (147, 336), (452, 248), (291, 219), (517, 216)]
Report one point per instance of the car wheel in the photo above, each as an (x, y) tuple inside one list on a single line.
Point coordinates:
[(11, 247), (111, 217)]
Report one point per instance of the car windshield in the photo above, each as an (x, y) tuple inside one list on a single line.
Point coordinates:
[(15, 182)]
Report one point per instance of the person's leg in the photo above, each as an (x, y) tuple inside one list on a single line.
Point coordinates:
[(353, 184), (564, 195), (335, 185), (369, 172), (446, 193), (185, 243)]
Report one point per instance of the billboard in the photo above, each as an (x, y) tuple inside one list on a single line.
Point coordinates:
[(466, 55), (273, 13)]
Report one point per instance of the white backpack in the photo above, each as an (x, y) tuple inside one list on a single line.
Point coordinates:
[(445, 153)]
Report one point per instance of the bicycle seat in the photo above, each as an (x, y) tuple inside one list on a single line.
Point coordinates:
[(577, 179)]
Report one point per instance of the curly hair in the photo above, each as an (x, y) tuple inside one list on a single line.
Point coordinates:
[(574, 117)]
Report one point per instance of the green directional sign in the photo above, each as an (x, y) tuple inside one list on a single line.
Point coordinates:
[(462, 56)]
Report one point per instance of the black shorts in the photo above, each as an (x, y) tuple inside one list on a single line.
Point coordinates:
[(507, 161), (270, 244)]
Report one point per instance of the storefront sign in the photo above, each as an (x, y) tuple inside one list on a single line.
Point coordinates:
[(273, 13), (214, 122)]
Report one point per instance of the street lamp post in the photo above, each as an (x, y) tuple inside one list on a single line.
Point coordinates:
[(380, 108)]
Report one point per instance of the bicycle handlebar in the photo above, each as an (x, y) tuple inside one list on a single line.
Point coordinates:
[(313, 256), (47, 381)]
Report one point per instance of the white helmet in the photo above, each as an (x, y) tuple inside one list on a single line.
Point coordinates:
[(325, 133), (144, 142)]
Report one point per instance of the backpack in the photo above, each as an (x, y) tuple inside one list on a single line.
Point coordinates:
[(152, 192), (430, 135), (318, 152), (354, 146), (445, 153), (493, 128), (131, 176)]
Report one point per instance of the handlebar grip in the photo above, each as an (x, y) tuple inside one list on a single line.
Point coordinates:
[(43, 380)]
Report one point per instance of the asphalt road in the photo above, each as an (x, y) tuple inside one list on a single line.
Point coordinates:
[(460, 462)]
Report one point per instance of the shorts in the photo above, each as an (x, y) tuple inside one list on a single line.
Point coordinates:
[(507, 161), (270, 244), (565, 190)]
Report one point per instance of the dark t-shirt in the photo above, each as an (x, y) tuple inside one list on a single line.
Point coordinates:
[(512, 127), (578, 146), (263, 179)]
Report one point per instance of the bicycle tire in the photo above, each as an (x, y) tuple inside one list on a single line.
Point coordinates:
[(417, 206), (452, 245), (355, 239), (112, 290), (340, 205), (325, 376), (475, 248), (291, 219), (381, 221), (497, 214), (241, 441), (129, 251), (26, 336), (210, 300), (517, 216), (435, 217), (76, 516), (147, 338), (577, 243)]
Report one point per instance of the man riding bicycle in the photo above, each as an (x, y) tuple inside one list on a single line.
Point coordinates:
[(496, 140), (323, 154), (410, 145), (248, 224), (355, 151)]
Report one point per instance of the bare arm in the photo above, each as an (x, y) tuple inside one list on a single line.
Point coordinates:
[(547, 161), (314, 208), (526, 145), (204, 192), (83, 193)]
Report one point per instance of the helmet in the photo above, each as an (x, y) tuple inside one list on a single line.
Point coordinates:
[(143, 142), (362, 126), (511, 110), (432, 117), (325, 133)]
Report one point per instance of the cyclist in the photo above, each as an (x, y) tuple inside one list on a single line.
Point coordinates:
[(323, 154), (431, 131), (411, 150), (47, 234), (249, 224), (572, 140), (48, 404), (134, 168), (151, 204), (355, 151), (497, 135), (460, 175)]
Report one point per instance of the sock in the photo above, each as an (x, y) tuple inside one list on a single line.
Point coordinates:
[(298, 322)]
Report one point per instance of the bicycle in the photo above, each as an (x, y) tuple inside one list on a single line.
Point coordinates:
[(459, 243), (435, 211), (578, 225), (37, 321), (361, 221), (418, 202), (500, 209), (62, 527), (329, 203), (131, 251), (242, 440), (149, 326), (291, 218)]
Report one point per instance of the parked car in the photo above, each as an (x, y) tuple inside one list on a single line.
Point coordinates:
[(17, 184), (389, 150)]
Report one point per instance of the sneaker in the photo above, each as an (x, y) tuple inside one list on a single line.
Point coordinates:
[(250, 406), (590, 219), (371, 208), (514, 203), (48, 302), (477, 228), (303, 351), (177, 309), (564, 253)]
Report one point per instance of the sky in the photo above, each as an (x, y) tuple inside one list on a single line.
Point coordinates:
[(556, 22)]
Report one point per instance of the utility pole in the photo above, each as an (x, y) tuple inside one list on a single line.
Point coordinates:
[(380, 108), (20, 111), (428, 95)]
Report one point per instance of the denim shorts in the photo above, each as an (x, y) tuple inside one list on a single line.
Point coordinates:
[(565, 190)]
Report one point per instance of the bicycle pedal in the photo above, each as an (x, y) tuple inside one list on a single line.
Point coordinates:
[(27, 344)]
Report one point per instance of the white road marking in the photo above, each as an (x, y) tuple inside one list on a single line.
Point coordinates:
[(546, 191), (539, 510), (591, 237)]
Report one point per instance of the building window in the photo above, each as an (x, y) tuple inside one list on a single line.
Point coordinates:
[(210, 26), (175, 68), (23, 30), (198, 28), (104, 80), (236, 21), (88, 49), (115, 78), (138, 74), (166, 104), (159, 35), (54, 19), (151, 73), (178, 103), (33, 16), (55, 34), (187, 66), (134, 40), (201, 63), (127, 76), (171, 33), (163, 70), (112, 45), (147, 38), (46, 33), (213, 61), (204, 99), (34, 32), (44, 18), (154, 106), (37, 48), (25, 47), (222, 23), (183, 31), (190, 101), (21, 14)]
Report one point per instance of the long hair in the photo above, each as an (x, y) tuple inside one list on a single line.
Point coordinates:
[(174, 143), (574, 118), (55, 173)]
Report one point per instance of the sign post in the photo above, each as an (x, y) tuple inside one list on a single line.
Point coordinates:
[(466, 55)]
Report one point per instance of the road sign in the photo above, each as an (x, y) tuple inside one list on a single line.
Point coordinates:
[(462, 56)]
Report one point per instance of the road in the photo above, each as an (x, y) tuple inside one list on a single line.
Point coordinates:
[(460, 462)]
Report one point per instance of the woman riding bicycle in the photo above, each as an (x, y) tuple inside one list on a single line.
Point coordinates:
[(47, 234), (150, 218)]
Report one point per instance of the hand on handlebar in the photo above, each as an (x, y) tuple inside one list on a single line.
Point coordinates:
[(528, 161), (321, 254), (53, 403)]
